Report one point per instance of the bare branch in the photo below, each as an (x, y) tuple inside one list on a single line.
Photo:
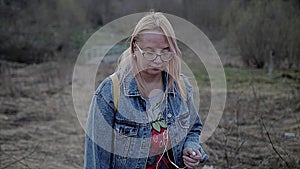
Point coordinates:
[(21, 159)]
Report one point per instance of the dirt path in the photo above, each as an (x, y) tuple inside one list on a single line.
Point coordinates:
[(39, 127)]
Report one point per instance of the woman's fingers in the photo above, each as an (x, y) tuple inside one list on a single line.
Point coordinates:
[(190, 164), (191, 157)]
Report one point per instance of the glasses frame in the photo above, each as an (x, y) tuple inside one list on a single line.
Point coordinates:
[(154, 53)]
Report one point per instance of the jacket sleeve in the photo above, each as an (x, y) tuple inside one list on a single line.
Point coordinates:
[(99, 128), (193, 136)]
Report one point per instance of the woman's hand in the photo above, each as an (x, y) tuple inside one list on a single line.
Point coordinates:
[(191, 157)]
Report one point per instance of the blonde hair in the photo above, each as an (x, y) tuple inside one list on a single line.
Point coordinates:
[(158, 22)]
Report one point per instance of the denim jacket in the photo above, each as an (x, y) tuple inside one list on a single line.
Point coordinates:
[(130, 129)]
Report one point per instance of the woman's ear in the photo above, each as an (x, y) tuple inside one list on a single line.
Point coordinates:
[(134, 56), (133, 47)]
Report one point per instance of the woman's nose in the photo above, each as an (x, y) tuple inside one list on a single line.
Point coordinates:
[(158, 59)]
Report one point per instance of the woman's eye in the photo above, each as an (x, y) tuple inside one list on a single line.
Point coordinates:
[(149, 52)]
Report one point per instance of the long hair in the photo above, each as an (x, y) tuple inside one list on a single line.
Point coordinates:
[(152, 21)]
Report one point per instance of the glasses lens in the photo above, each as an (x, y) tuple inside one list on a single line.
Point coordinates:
[(167, 56), (149, 55), (164, 56)]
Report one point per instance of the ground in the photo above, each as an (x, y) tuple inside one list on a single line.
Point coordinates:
[(40, 129)]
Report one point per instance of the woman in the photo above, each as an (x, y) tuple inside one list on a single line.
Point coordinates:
[(152, 122)]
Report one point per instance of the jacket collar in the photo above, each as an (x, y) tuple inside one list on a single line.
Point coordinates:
[(130, 85)]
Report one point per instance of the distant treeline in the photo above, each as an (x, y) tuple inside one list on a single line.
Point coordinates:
[(265, 31)]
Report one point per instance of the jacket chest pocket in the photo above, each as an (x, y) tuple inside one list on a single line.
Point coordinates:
[(126, 131), (184, 120), (180, 128), (124, 140)]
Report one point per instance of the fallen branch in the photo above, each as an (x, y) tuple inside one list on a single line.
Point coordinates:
[(20, 159), (271, 142), (264, 126)]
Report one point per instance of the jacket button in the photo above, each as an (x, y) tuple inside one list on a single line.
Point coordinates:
[(169, 115), (144, 145)]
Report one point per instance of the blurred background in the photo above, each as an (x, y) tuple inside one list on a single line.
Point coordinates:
[(258, 43)]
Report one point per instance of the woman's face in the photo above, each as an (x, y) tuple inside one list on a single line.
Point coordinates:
[(154, 41)]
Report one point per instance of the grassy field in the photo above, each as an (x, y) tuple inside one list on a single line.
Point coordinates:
[(259, 127), (261, 122)]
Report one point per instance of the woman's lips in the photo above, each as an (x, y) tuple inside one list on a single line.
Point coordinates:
[(155, 69)]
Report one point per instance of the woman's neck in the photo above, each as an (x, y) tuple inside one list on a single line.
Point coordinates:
[(151, 82), (151, 78)]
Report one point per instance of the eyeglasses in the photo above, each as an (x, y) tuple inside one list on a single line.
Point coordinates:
[(165, 56)]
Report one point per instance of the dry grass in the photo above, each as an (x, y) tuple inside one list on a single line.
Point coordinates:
[(39, 128)]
